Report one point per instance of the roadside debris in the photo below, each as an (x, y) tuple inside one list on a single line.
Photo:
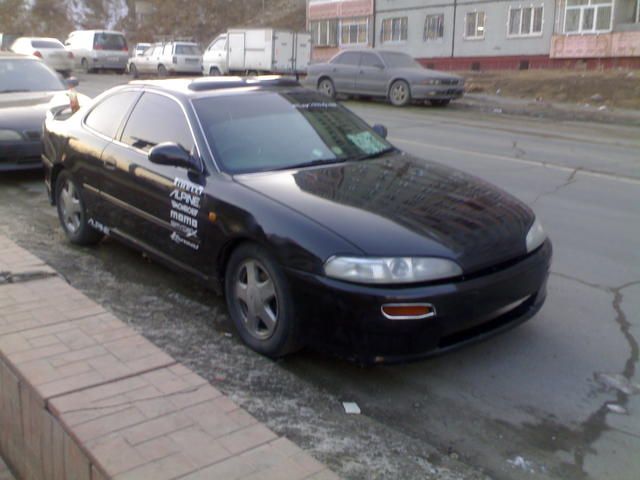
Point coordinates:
[(615, 408), (497, 110), (597, 97), (617, 382), (351, 408), (522, 464)]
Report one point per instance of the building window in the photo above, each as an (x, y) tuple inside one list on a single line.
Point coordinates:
[(324, 33), (394, 30), (588, 16), (524, 21), (354, 31), (434, 27), (474, 25)]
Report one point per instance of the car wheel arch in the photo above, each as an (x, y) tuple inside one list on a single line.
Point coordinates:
[(324, 77), (55, 173)]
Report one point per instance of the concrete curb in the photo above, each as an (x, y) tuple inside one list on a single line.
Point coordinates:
[(83, 396)]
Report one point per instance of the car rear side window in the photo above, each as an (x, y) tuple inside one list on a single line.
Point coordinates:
[(46, 44), (157, 119), (348, 58), (371, 60), (107, 116)]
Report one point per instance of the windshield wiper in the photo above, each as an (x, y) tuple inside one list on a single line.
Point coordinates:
[(16, 90), (312, 163), (367, 156)]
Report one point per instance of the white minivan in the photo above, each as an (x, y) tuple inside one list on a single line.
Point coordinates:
[(99, 49)]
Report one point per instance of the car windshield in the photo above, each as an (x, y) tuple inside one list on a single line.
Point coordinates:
[(267, 130), (399, 60), (109, 41), (187, 50), (54, 44), (22, 75)]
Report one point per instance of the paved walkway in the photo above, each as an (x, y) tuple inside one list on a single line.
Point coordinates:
[(83, 396)]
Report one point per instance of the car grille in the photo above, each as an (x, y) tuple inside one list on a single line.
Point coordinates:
[(449, 82)]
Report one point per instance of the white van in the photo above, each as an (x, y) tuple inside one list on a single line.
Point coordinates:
[(257, 51), (168, 58), (98, 49)]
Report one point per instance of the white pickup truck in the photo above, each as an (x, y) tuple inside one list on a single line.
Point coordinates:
[(257, 51)]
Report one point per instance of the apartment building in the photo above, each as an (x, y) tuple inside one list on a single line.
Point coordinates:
[(485, 34), (336, 24)]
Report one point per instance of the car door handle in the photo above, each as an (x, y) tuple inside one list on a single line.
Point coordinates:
[(110, 163)]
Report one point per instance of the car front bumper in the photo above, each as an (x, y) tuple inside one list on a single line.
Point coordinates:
[(436, 92), (20, 155), (346, 318)]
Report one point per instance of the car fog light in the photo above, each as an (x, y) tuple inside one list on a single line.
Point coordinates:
[(9, 135), (408, 311)]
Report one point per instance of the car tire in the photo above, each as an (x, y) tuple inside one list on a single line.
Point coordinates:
[(133, 70), (259, 302), (400, 93), (85, 66), (439, 103), (162, 71), (214, 72), (326, 87), (121, 71), (72, 212)]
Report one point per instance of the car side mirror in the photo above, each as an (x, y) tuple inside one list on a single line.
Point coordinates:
[(380, 130), (174, 155), (72, 82)]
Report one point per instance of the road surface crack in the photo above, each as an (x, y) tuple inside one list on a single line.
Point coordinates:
[(570, 179)]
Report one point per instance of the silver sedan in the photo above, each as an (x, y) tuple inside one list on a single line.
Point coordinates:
[(376, 73)]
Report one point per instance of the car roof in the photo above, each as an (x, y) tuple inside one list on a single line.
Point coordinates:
[(209, 86), (48, 39)]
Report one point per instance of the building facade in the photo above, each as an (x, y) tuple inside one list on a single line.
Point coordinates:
[(336, 24), (491, 34)]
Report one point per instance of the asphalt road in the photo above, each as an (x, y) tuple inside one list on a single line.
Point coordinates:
[(555, 398)]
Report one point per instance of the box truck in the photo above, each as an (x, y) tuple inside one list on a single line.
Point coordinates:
[(257, 51)]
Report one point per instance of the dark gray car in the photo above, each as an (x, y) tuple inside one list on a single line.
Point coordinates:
[(377, 73)]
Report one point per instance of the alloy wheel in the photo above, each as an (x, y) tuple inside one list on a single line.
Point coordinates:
[(256, 295), (70, 207), (400, 94), (326, 87)]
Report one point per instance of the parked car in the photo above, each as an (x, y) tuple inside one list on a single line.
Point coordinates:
[(50, 50), (317, 229), (140, 48), (378, 73), (98, 49), (28, 88), (168, 58), (257, 51)]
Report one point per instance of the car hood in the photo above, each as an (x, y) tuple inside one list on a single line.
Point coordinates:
[(24, 110), (399, 205)]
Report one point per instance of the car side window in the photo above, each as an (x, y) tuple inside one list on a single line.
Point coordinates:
[(348, 58), (220, 44), (106, 117), (167, 49), (370, 60), (156, 119)]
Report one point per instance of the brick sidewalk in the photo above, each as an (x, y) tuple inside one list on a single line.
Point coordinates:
[(83, 396)]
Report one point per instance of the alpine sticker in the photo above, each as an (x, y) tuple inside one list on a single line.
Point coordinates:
[(183, 216)]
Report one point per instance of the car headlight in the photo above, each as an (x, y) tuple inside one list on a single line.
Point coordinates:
[(9, 135), (432, 81), (536, 236), (391, 270)]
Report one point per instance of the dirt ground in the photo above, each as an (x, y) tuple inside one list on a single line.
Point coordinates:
[(613, 88)]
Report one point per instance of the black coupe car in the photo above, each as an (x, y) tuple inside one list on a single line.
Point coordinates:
[(27, 89), (314, 226)]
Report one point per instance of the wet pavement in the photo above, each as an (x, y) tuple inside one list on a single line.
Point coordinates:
[(558, 397)]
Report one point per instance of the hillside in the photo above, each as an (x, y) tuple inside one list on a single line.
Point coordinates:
[(150, 20)]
